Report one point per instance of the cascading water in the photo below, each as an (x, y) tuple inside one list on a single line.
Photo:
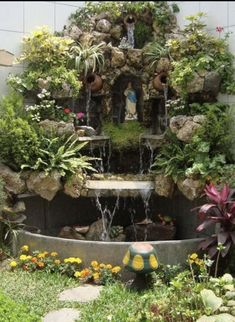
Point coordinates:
[(130, 34), (145, 195), (141, 151), (165, 93), (88, 101), (107, 215)]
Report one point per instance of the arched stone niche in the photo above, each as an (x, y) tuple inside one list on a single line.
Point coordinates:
[(119, 99)]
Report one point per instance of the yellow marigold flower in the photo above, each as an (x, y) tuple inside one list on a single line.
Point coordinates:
[(25, 248), (96, 276), (77, 260), (199, 261), (13, 264), (54, 254), (40, 264), (57, 261), (108, 266), (102, 265), (190, 261), (193, 256), (94, 264), (116, 269), (23, 257), (77, 274), (45, 253), (29, 257), (41, 255)]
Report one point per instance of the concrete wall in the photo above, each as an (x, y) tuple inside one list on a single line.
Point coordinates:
[(18, 18)]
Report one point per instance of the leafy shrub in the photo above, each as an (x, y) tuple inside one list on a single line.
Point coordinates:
[(19, 143), (12, 106), (43, 50), (124, 136), (198, 51), (61, 155), (49, 65), (160, 11), (59, 81), (206, 155), (221, 211), (13, 312), (142, 34), (2, 194)]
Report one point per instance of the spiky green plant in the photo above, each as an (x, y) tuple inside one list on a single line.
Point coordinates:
[(88, 58), (153, 52)]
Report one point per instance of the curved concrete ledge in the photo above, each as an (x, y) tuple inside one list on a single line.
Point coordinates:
[(169, 252)]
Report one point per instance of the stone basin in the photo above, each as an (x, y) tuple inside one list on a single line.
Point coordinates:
[(168, 252)]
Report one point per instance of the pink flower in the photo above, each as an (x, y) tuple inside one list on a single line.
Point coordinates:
[(79, 115), (219, 29), (67, 110)]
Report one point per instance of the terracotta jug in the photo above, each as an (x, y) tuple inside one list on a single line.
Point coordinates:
[(160, 81), (95, 82)]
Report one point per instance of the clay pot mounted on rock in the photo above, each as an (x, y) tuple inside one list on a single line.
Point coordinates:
[(160, 81), (94, 82)]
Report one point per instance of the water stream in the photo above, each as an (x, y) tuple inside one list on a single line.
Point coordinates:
[(107, 215), (130, 35), (165, 92), (88, 101)]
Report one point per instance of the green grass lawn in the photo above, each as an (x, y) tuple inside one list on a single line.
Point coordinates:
[(38, 291)]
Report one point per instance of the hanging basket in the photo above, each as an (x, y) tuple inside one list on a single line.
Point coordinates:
[(95, 82), (160, 81)]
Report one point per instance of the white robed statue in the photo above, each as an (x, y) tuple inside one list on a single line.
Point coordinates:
[(131, 101)]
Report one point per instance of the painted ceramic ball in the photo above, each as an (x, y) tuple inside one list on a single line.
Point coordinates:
[(141, 258)]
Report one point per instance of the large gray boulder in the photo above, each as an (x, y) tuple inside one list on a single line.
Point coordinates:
[(103, 25), (45, 185), (134, 57), (185, 126), (60, 128), (118, 57), (13, 183), (164, 185), (190, 188), (74, 185)]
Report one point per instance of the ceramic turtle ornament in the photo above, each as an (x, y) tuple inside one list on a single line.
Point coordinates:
[(140, 258)]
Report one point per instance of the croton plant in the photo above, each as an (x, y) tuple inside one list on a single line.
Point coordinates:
[(220, 210)]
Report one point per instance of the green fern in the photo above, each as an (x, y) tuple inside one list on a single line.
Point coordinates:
[(63, 157)]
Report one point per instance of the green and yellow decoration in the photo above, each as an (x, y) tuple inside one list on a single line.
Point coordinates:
[(141, 258)]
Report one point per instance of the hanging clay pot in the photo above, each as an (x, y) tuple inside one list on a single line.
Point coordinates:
[(160, 81), (95, 82)]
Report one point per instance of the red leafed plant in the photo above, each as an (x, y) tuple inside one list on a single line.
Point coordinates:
[(221, 211)]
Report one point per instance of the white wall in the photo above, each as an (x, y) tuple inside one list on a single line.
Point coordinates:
[(21, 17), (18, 18)]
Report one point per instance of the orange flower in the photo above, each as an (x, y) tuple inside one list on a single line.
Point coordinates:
[(85, 272), (34, 260), (41, 264)]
